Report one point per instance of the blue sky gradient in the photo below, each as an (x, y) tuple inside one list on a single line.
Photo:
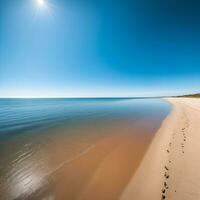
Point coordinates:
[(99, 48)]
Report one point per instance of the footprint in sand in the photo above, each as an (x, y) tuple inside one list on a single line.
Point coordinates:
[(166, 175), (163, 196), (166, 168), (165, 185)]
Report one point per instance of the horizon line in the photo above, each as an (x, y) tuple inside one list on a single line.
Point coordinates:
[(114, 97), (97, 97)]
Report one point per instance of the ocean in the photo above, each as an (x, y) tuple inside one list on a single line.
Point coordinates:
[(62, 148)]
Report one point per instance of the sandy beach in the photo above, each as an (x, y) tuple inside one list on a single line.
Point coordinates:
[(170, 168)]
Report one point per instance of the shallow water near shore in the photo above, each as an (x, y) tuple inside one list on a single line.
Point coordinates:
[(73, 148)]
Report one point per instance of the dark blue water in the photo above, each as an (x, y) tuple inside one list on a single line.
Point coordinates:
[(21, 115), (29, 129)]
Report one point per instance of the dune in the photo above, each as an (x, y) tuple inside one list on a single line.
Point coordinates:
[(170, 167)]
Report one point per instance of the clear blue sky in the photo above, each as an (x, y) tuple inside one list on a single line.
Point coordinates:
[(72, 48)]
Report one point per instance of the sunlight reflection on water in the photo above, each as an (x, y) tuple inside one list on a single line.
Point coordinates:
[(30, 155)]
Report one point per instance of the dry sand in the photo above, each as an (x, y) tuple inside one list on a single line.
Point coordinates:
[(170, 168)]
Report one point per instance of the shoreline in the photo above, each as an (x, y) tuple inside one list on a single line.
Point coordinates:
[(169, 169)]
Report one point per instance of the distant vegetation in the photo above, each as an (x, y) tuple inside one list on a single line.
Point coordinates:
[(192, 95)]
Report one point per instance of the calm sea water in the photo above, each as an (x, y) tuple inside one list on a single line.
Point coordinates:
[(33, 130)]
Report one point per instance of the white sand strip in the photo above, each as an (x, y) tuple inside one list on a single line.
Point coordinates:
[(171, 166)]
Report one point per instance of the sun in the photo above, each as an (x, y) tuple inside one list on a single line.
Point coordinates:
[(41, 3), (43, 7)]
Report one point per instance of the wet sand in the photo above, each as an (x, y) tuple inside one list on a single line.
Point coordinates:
[(70, 168), (105, 168)]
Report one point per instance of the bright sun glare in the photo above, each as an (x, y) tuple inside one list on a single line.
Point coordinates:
[(41, 3), (43, 6)]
